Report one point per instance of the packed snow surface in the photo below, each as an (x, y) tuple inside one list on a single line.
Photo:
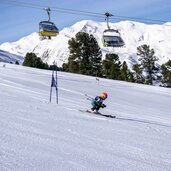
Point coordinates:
[(40, 136)]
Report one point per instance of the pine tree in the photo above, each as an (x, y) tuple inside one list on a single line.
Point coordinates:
[(85, 54), (125, 72), (65, 67), (95, 57), (137, 72), (17, 63), (131, 76), (147, 60), (32, 60), (166, 73), (111, 66)]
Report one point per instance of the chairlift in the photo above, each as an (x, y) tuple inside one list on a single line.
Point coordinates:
[(48, 28), (111, 37)]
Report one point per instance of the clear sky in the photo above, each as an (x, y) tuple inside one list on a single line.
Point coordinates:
[(18, 20)]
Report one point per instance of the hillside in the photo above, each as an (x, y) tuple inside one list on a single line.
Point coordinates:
[(134, 34), (38, 135), (10, 58)]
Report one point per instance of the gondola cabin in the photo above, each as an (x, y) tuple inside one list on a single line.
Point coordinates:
[(112, 38)]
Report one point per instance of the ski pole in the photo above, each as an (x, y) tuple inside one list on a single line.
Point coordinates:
[(89, 97)]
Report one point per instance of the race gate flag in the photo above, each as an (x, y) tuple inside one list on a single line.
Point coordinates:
[(53, 82)]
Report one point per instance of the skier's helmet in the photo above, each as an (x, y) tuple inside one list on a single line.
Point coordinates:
[(104, 95)]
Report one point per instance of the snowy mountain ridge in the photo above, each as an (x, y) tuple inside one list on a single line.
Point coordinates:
[(134, 34), (9, 57)]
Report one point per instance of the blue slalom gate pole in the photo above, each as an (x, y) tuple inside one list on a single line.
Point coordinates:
[(54, 83)]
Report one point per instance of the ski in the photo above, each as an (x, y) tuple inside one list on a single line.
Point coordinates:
[(98, 113)]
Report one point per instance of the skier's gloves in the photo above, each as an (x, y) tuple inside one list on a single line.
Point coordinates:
[(103, 105)]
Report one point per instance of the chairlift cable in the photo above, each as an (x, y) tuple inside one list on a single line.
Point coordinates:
[(80, 12)]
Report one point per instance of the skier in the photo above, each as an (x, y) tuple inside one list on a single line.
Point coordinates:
[(97, 102)]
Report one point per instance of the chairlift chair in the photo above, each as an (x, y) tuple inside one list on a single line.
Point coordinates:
[(48, 28), (111, 37)]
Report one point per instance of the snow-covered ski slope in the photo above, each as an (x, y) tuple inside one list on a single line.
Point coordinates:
[(40, 136)]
